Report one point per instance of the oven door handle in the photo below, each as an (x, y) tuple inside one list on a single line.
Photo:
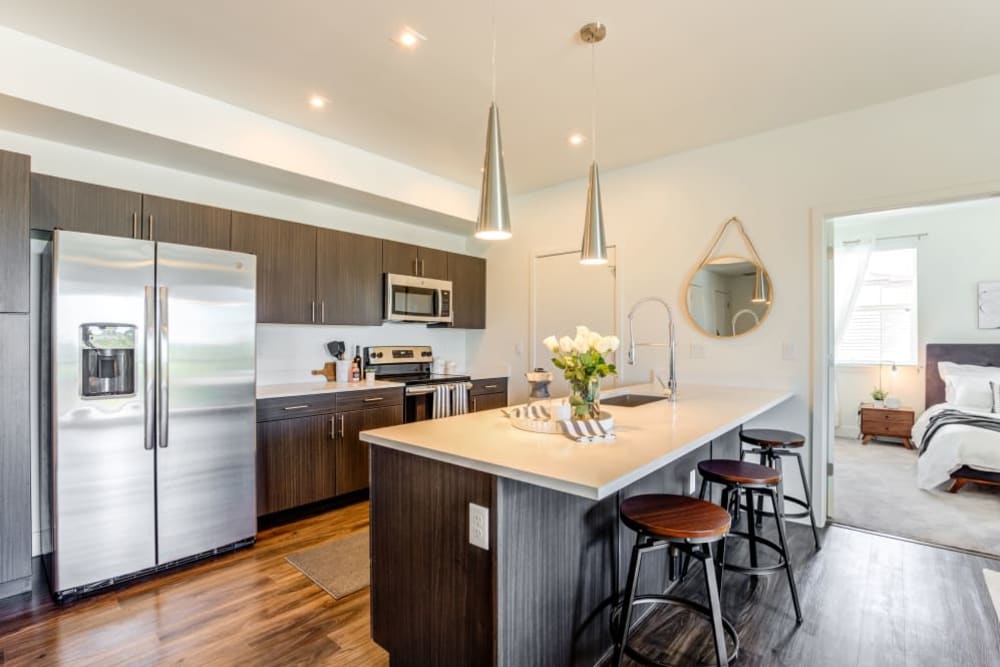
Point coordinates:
[(419, 390)]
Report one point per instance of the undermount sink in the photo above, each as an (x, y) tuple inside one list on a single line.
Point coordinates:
[(631, 400)]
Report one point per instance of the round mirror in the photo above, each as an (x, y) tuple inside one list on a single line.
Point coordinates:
[(729, 297)]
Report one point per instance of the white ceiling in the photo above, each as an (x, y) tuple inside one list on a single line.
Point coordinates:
[(672, 75)]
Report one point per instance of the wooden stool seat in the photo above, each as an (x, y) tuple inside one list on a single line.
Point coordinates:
[(772, 437), (726, 471), (675, 517)]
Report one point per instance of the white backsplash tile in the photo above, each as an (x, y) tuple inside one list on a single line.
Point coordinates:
[(288, 353)]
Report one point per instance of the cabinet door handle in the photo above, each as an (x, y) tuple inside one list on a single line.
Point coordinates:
[(135, 225), (489, 386), (151, 226), (322, 312), (416, 267), (333, 428), (474, 405), (374, 399), (313, 311), (295, 407), (341, 426), (421, 267)]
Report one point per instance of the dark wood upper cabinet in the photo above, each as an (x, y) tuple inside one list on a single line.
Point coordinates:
[(411, 260), (468, 277), (15, 176), (295, 463), (352, 453), (182, 222), (84, 207), (348, 278), (434, 264), (286, 267)]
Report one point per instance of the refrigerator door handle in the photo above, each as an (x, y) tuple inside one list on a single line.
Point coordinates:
[(163, 369), (149, 390)]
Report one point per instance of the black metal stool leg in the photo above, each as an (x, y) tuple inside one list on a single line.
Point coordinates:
[(753, 519), (715, 606), (780, 521), (776, 464), (766, 459), (630, 587), (809, 500)]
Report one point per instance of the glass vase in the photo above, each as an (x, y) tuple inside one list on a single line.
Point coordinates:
[(585, 399)]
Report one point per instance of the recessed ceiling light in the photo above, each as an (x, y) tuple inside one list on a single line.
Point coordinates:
[(576, 139), (409, 37), (317, 102)]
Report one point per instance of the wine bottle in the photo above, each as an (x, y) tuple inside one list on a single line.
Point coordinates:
[(356, 366)]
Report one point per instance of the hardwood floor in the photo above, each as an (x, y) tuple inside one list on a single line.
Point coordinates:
[(867, 600), (251, 607)]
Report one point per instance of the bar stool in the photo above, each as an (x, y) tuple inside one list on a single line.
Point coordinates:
[(772, 445), (749, 479), (680, 524)]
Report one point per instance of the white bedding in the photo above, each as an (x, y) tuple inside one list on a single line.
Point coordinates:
[(953, 447)]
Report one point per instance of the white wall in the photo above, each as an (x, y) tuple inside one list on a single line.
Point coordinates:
[(662, 215), (959, 251)]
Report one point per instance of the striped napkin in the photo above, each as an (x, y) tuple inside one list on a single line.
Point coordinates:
[(535, 411), (586, 430)]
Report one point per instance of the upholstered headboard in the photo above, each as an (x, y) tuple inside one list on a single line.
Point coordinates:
[(978, 354)]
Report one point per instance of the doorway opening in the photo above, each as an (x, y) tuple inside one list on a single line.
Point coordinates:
[(915, 446)]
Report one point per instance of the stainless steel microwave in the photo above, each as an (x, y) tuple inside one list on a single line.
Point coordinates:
[(414, 299)]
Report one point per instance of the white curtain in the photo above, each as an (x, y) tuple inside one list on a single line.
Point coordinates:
[(850, 262)]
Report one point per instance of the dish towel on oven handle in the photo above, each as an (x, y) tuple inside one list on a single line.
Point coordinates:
[(459, 398), (586, 431), (442, 401)]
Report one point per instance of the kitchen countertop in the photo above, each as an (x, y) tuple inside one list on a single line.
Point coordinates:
[(309, 388), (649, 437)]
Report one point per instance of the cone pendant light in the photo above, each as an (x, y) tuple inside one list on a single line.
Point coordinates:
[(594, 249), (761, 293), (493, 223)]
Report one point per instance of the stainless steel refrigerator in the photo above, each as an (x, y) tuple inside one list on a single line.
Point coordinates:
[(153, 416)]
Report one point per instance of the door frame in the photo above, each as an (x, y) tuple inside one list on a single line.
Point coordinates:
[(821, 334), (533, 297)]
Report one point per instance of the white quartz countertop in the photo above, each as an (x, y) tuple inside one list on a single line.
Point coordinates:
[(310, 388), (649, 437)]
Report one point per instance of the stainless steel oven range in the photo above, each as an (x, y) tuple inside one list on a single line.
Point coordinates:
[(428, 394)]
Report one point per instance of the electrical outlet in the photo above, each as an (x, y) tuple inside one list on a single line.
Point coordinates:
[(692, 482), (479, 526)]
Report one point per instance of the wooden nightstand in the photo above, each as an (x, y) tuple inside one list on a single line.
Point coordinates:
[(892, 422)]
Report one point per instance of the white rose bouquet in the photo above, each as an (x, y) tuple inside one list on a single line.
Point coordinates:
[(582, 361)]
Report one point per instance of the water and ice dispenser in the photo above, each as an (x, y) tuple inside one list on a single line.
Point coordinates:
[(108, 361)]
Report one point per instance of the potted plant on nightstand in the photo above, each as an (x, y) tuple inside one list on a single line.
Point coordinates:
[(878, 396)]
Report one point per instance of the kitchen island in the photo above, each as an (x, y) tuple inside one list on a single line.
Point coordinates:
[(541, 593)]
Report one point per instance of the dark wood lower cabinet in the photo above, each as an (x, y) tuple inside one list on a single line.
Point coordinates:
[(295, 463), (352, 454), (489, 402), (15, 457), (488, 394)]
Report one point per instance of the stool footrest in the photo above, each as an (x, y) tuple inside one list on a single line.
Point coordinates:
[(701, 610), (787, 515), (760, 569)]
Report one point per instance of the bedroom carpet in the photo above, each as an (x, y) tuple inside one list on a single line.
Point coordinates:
[(874, 487)]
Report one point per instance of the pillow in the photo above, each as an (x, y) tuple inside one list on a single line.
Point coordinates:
[(995, 390), (947, 369), (967, 391)]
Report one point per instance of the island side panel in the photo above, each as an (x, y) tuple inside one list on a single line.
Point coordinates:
[(555, 576), (432, 592)]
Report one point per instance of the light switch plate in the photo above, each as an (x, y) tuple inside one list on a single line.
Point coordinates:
[(692, 482), (479, 526)]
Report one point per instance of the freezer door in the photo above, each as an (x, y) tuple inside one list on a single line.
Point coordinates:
[(104, 513), (206, 439)]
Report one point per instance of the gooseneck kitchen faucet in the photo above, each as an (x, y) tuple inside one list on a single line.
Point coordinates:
[(671, 344)]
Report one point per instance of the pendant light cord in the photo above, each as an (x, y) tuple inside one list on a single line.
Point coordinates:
[(493, 62), (593, 101)]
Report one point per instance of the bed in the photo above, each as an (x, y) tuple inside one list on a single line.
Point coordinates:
[(958, 452)]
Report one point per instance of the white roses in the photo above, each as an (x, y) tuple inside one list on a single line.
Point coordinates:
[(585, 341)]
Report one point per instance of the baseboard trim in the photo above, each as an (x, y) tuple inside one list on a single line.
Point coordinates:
[(15, 587)]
